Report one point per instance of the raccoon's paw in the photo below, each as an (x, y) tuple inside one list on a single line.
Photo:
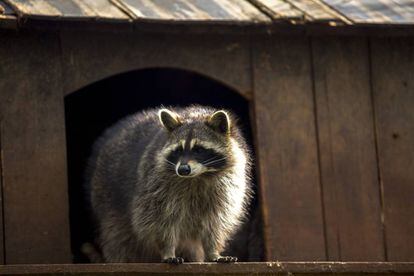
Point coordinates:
[(226, 259), (173, 260)]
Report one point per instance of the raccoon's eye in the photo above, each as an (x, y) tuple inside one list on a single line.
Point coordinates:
[(174, 155), (197, 149)]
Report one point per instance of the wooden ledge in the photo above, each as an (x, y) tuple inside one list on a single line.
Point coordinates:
[(264, 268)]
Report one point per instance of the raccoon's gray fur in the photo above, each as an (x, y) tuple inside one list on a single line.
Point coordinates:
[(169, 183)]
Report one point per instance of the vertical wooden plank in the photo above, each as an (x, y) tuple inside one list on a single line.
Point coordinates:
[(1, 200), (393, 93), (287, 149), (349, 171), (34, 149)]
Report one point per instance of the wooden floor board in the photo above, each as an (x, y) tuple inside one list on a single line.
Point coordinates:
[(267, 268)]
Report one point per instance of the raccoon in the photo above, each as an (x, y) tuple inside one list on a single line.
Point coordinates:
[(168, 185)]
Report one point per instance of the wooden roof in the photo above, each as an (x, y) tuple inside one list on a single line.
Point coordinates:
[(236, 12)]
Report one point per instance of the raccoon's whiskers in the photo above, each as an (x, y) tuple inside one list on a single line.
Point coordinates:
[(214, 161), (206, 161), (169, 162)]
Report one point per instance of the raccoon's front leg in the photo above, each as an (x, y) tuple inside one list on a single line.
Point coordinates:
[(212, 246), (168, 253)]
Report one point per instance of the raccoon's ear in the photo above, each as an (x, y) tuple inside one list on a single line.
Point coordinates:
[(219, 121), (169, 119)]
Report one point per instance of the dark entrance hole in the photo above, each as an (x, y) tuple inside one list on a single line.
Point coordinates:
[(90, 110)]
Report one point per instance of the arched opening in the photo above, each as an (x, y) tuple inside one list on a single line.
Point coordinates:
[(90, 110)]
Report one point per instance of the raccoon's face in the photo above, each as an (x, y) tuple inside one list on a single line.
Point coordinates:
[(198, 147)]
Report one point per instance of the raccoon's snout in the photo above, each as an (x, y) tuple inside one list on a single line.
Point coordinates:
[(184, 170)]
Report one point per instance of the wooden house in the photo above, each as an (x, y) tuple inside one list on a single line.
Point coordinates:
[(325, 88)]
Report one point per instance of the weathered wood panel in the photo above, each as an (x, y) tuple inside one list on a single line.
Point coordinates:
[(374, 11), (279, 9), (317, 11), (33, 150), (220, 11), (287, 149), (393, 93), (68, 9), (269, 268), (92, 57), (184, 10), (349, 171), (300, 11), (1, 198)]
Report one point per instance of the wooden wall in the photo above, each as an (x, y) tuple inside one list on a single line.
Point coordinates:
[(33, 153), (335, 127), (334, 124)]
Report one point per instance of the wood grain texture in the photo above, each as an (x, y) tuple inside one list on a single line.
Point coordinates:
[(317, 11), (103, 9), (268, 268), (184, 10), (68, 9), (349, 171), (1, 199), (92, 57), (393, 93), (374, 11), (245, 12), (287, 149), (34, 8), (34, 150), (279, 9)]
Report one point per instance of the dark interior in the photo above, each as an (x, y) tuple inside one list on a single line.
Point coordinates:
[(92, 109)]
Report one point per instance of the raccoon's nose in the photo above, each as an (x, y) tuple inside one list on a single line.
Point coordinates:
[(184, 169)]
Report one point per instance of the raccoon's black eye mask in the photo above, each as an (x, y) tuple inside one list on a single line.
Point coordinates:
[(207, 157)]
